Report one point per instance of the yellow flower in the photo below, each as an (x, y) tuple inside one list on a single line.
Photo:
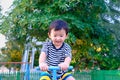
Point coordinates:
[(98, 49)]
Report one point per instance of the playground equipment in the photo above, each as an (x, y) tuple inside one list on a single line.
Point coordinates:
[(54, 70), (29, 53), (28, 56)]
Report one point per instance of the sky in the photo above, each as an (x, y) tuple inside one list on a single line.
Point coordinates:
[(2, 40), (5, 6)]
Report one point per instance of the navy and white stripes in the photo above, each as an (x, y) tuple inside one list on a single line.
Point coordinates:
[(56, 56)]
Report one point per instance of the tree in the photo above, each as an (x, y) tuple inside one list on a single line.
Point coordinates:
[(88, 37), (0, 15), (111, 21)]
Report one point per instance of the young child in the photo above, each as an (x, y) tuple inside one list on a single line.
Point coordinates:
[(56, 52)]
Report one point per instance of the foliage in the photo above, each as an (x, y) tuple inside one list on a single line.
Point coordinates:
[(13, 52), (112, 21), (90, 41)]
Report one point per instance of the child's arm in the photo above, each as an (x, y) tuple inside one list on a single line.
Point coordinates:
[(43, 65), (65, 64)]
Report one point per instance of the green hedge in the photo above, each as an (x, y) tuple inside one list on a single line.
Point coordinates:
[(92, 75)]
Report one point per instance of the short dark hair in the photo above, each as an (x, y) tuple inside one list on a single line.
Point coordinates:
[(58, 25)]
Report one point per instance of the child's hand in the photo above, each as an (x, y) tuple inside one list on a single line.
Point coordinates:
[(64, 66), (43, 67)]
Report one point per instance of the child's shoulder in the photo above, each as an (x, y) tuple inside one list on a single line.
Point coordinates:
[(66, 45), (47, 43)]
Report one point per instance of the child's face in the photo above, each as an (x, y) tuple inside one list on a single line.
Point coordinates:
[(57, 37)]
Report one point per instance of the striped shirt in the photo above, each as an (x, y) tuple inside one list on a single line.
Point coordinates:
[(56, 56)]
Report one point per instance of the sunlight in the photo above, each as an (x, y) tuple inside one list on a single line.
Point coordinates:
[(5, 5), (2, 41)]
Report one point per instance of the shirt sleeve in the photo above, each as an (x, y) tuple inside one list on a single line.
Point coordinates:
[(45, 48), (68, 51)]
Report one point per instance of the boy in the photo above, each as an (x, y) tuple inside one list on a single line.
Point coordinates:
[(56, 52)]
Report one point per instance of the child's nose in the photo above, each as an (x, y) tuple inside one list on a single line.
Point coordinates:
[(58, 38)]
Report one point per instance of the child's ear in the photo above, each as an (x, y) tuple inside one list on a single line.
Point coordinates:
[(48, 34), (66, 36)]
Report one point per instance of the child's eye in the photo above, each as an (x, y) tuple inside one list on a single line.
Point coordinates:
[(61, 36), (55, 35)]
